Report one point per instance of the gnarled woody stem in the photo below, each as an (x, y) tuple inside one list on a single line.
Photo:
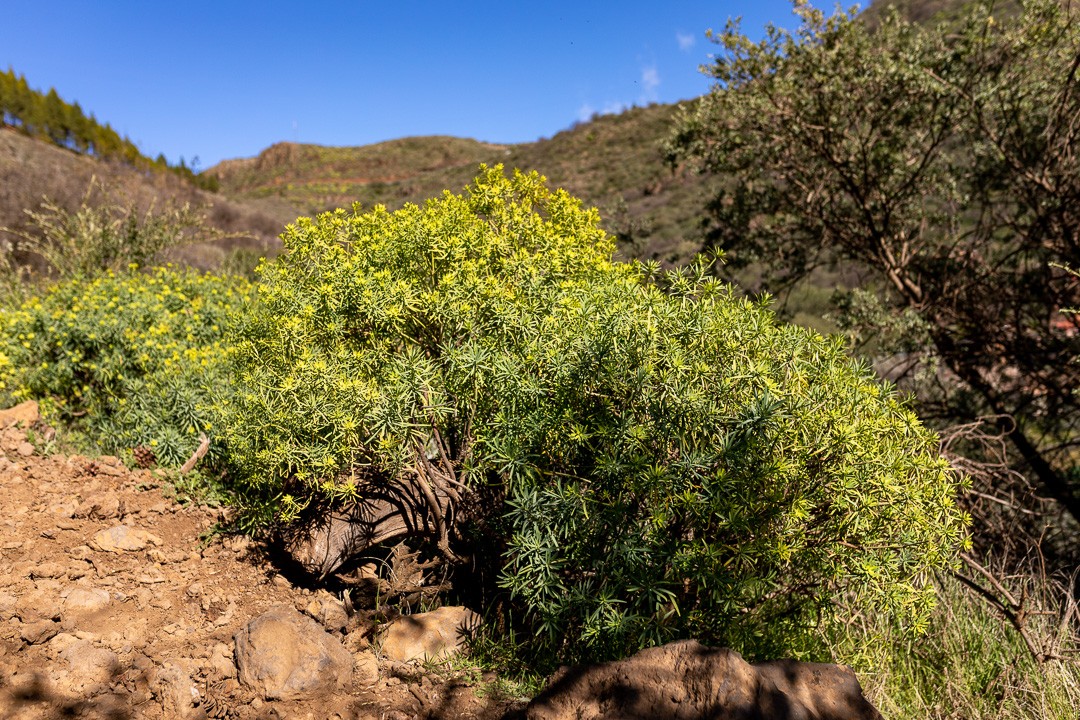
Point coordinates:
[(325, 542)]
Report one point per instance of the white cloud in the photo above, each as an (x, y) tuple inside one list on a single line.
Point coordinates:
[(650, 81), (587, 112), (686, 41)]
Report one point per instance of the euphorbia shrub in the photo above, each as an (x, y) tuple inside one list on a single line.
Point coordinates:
[(674, 462), (132, 358)]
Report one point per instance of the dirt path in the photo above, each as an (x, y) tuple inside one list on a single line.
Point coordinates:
[(110, 607)]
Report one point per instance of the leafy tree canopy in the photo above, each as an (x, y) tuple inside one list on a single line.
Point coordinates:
[(940, 161)]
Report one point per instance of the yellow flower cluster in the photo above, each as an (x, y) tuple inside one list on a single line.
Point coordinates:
[(89, 344), (137, 321)]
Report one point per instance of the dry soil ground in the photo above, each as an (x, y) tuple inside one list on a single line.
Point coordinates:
[(111, 606)]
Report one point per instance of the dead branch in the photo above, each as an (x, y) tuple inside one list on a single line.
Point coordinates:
[(1015, 611), (428, 475), (200, 452)]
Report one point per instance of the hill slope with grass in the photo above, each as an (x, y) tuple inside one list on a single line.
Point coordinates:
[(613, 162), (933, 11), (32, 171)]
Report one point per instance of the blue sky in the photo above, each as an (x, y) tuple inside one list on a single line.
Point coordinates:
[(226, 79)]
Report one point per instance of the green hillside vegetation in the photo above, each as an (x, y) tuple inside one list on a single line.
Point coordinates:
[(318, 178), (36, 175), (47, 116), (925, 12)]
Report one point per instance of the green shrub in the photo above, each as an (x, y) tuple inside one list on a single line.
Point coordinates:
[(673, 461), (133, 358), (106, 232)]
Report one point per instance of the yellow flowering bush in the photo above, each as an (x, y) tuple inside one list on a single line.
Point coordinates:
[(637, 456), (133, 358)]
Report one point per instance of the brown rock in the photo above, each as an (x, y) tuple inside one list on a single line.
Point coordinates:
[(48, 570), (8, 603), (328, 612), (25, 449), (88, 666), (123, 538), (81, 552), (172, 687), (35, 633), (86, 601), (366, 669), (239, 544), (283, 655), (61, 642), (25, 414), (687, 681), (101, 507), (428, 635), (36, 605), (221, 661), (111, 470), (64, 510)]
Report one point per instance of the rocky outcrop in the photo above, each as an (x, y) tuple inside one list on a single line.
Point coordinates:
[(687, 681)]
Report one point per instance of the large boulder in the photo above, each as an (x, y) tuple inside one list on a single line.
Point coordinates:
[(687, 681), (285, 655), (430, 635)]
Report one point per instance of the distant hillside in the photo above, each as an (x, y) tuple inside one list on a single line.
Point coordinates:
[(315, 178), (613, 162), (32, 169), (933, 11)]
